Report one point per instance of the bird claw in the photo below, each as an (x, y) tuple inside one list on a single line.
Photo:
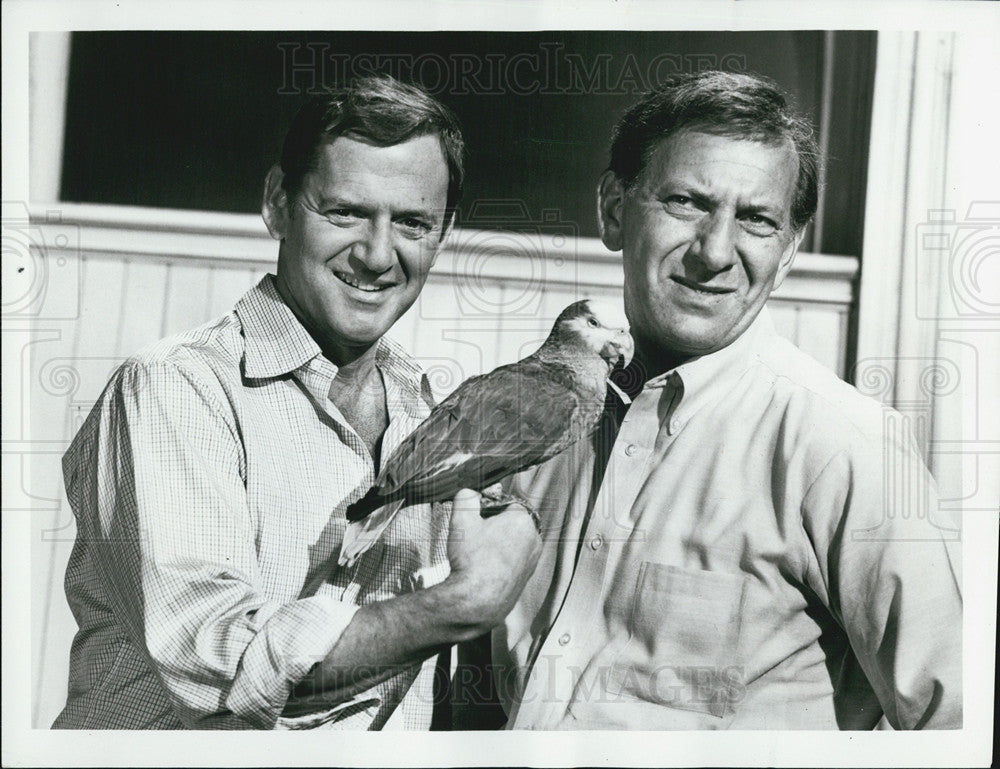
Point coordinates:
[(495, 502)]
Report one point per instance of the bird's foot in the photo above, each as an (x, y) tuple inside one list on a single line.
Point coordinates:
[(494, 501)]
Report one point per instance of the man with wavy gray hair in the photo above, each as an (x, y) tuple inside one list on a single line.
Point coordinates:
[(735, 549), (210, 481)]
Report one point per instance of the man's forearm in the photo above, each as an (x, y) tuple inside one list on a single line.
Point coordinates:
[(384, 639), (491, 560)]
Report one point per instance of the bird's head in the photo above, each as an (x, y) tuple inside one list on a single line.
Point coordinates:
[(598, 326)]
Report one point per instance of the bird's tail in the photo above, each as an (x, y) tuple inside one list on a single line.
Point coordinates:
[(365, 506), (362, 533)]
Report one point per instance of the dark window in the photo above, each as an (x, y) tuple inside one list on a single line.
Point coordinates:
[(194, 119)]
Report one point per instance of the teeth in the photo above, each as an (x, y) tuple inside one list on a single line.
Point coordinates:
[(355, 283)]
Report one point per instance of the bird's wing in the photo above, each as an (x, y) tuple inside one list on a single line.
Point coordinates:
[(491, 426), (361, 535)]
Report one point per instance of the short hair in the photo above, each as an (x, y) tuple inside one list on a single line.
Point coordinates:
[(380, 110), (724, 104)]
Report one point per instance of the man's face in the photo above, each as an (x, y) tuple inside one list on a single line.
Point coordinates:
[(358, 240), (706, 236)]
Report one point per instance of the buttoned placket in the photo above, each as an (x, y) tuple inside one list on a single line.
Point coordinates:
[(608, 528), (317, 376), (406, 411)]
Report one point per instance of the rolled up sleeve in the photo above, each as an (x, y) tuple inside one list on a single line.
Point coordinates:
[(161, 493), (294, 638)]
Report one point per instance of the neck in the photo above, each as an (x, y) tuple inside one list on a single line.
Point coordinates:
[(590, 371), (555, 350), (346, 357), (353, 362), (653, 361)]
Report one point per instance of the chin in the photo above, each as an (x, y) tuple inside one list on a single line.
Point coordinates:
[(362, 323), (696, 344), (363, 337)]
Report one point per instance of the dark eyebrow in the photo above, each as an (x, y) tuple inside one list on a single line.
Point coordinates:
[(703, 199), (415, 213), (325, 203), (684, 190), (681, 184), (767, 210), (706, 199)]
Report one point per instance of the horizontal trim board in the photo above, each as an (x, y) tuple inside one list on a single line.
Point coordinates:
[(242, 240)]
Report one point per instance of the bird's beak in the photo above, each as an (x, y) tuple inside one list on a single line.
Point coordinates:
[(628, 347), (620, 349)]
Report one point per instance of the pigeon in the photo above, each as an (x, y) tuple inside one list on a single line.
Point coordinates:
[(497, 424)]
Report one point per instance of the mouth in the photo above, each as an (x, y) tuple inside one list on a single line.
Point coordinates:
[(361, 285), (701, 288)]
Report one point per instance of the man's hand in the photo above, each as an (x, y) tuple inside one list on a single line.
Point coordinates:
[(491, 559)]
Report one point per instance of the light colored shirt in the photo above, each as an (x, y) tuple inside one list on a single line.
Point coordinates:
[(209, 485), (764, 552)]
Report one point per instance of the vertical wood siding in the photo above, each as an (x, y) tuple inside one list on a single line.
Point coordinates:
[(138, 275)]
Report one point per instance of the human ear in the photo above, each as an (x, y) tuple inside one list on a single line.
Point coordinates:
[(274, 209), (447, 228), (610, 196), (785, 265)]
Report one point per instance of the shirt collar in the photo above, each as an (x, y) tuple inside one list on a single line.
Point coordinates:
[(703, 380), (276, 343), (399, 368)]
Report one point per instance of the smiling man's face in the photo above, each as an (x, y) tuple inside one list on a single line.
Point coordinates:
[(359, 238), (706, 237)]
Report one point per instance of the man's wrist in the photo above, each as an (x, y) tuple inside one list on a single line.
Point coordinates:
[(463, 607)]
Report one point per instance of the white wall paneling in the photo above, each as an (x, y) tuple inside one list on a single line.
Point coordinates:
[(130, 276), (930, 288)]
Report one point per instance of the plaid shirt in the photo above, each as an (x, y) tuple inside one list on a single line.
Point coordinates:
[(209, 485)]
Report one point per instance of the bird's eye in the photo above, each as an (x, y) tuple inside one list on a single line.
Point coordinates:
[(592, 322)]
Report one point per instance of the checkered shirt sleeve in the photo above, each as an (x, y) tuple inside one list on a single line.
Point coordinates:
[(210, 514)]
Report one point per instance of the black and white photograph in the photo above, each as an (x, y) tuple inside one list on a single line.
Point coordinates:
[(546, 383)]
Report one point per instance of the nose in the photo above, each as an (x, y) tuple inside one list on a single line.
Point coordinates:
[(714, 245), (374, 248)]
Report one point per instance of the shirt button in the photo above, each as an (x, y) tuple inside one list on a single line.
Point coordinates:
[(630, 450), (564, 639), (596, 542), (675, 425)]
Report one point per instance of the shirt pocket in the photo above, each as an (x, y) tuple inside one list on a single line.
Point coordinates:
[(683, 640)]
